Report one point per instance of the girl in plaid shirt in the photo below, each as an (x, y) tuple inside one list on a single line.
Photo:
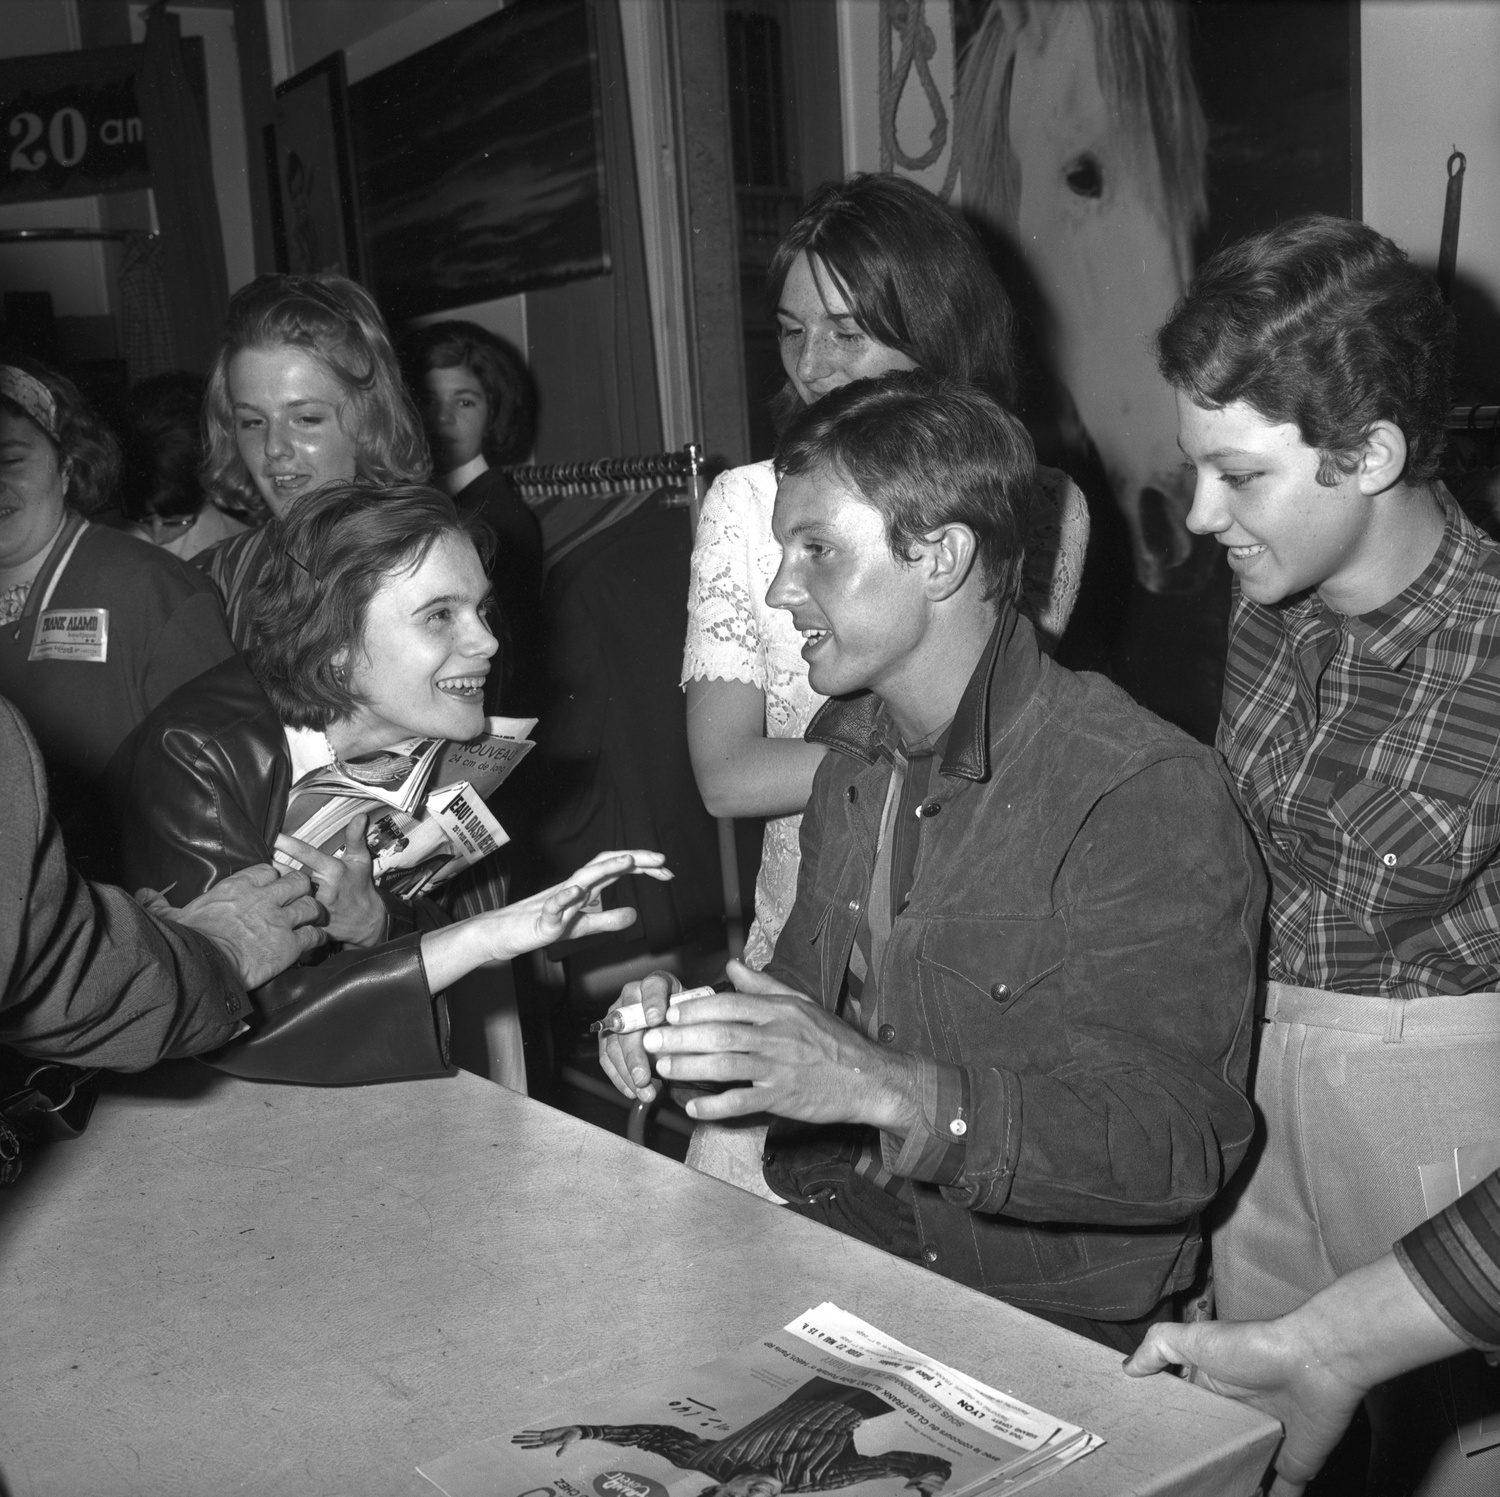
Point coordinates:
[(1361, 727)]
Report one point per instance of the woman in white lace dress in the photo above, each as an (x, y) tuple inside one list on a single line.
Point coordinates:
[(876, 275)]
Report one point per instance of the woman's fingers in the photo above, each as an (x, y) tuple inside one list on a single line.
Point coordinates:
[(356, 849), (603, 869)]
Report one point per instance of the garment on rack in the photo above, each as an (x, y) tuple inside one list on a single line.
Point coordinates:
[(145, 314), (612, 754), (515, 573)]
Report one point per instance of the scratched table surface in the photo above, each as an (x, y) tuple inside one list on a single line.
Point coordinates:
[(228, 1287)]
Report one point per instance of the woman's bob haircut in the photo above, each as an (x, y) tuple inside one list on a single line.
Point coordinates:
[(915, 276), (500, 370), (329, 555), (335, 321), (88, 456)]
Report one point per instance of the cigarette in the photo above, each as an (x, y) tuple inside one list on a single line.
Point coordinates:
[(632, 1016)]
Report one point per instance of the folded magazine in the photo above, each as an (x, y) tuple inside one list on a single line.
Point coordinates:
[(428, 817), (826, 1403)]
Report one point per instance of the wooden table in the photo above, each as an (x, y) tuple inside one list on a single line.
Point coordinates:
[(226, 1287)]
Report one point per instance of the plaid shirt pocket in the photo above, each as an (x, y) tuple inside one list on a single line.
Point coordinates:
[(1405, 843)]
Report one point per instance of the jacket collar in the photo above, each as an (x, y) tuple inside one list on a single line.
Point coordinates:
[(997, 692)]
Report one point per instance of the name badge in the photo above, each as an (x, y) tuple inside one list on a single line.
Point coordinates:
[(80, 634)]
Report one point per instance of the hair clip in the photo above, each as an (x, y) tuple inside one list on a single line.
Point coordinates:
[(291, 556)]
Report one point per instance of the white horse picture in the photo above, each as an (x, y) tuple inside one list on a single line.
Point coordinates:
[(1081, 137)]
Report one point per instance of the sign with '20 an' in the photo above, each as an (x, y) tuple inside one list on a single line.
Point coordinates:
[(70, 125)]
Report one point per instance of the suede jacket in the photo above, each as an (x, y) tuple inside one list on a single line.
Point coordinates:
[(1076, 965), (200, 790)]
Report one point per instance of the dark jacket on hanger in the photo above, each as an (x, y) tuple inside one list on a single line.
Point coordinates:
[(515, 572), (612, 742), (201, 792)]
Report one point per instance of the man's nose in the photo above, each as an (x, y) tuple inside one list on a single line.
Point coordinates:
[(784, 591)]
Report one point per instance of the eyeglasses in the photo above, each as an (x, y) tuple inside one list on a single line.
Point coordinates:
[(167, 527)]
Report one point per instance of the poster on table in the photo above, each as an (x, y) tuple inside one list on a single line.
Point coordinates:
[(828, 1402)]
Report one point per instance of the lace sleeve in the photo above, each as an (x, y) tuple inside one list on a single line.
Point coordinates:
[(1055, 547), (723, 637)]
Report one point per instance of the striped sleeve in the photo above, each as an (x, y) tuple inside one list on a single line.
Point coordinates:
[(935, 1151), (1454, 1260)]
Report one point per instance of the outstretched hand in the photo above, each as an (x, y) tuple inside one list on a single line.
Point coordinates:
[(345, 884), (563, 912)]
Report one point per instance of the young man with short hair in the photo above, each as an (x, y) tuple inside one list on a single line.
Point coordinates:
[(1027, 912), (1361, 725)]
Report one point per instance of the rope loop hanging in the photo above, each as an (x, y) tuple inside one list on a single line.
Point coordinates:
[(918, 46)]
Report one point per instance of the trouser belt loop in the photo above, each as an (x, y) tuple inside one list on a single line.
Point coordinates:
[(1395, 1018)]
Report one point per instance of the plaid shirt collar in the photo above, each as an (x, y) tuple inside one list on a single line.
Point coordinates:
[(1390, 633)]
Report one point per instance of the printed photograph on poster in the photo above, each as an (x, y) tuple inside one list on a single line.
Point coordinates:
[(481, 161), (1105, 151), (313, 208), (828, 1403)]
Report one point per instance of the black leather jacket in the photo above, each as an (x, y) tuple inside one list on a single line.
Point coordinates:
[(200, 790)]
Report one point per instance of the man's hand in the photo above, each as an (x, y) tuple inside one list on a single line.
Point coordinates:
[(540, 1439), (792, 1058), (262, 920), (622, 1057), (357, 915)]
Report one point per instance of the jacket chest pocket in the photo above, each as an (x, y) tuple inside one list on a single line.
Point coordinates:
[(975, 975)]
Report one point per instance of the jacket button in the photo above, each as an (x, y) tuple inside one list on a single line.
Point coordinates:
[(999, 991), (854, 905), (851, 793), (886, 1033), (929, 1256), (932, 807)]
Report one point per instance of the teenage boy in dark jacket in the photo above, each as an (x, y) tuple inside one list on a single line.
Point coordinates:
[(1027, 914)]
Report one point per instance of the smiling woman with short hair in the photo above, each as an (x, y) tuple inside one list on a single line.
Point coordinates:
[(369, 629)]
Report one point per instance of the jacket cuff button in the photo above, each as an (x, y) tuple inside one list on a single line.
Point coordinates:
[(886, 1033), (929, 1256)]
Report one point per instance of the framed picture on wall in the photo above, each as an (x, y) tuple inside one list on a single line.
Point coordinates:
[(481, 165), (314, 212)]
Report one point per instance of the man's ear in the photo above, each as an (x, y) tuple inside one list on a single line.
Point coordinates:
[(1382, 458), (949, 555)]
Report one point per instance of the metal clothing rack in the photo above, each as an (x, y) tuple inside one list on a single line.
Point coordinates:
[(610, 475), (67, 236)]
